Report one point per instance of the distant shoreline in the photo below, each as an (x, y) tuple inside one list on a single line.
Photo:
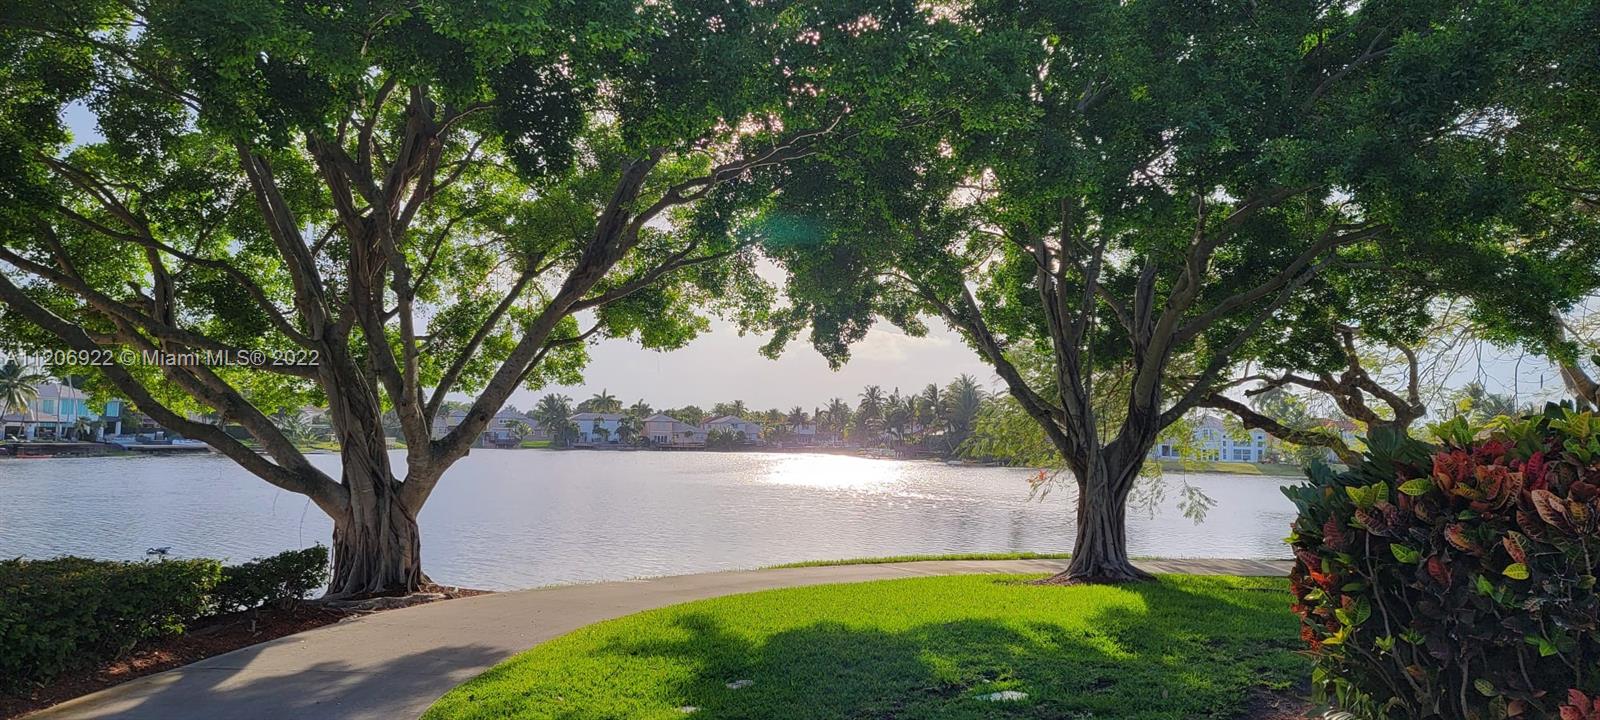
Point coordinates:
[(1170, 466)]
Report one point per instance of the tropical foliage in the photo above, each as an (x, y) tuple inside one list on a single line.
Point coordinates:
[(67, 612), (554, 414), (1457, 580), (19, 385)]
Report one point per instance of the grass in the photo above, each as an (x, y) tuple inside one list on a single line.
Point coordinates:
[(1237, 468), (920, 558), (1176, 648), (535, 444)]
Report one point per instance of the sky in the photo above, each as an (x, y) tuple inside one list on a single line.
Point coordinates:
[(721, 365)]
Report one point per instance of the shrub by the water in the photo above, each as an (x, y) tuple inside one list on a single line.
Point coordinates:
[(277, 580), (58, 613), (70, 612), (1457, 581)]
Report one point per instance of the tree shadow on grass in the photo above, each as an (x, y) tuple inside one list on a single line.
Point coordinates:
[(1173, 654), (220, 688)]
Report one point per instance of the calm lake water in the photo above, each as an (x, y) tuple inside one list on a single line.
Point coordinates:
[(506, 519)]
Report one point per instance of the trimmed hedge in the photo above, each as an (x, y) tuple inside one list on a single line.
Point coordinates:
[(57, 613), (1457, 582), (69, 612), (277, 580)]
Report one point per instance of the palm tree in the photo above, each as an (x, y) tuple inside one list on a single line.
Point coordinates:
[(601, 402), (963, 400), (641, 409), (82, 427), (897, 415), (628, 429), (19, 385), (1477, 401), (296, 427), (930, 408), (554, 414), (838, 415), (871, 407), (797, 416)]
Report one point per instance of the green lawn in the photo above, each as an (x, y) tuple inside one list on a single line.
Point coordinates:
[(1181, 647)]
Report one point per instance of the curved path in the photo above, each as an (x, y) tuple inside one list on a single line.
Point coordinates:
[(394, 664)]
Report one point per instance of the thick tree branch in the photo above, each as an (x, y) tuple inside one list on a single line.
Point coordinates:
[(306, 480)]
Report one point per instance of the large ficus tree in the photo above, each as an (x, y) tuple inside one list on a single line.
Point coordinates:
[(398, 201), (1153, 192)]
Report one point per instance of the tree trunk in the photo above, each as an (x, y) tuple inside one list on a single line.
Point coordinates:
[(1100, 554), (377, 549)]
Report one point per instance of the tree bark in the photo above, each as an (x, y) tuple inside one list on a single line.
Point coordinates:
[(377, 548), (376, 543), (1100, 552)]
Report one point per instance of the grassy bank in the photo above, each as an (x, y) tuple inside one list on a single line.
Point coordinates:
[(1181, 647), (921, 558), (1236, 468)]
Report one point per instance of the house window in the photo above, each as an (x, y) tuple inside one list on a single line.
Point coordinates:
[(47, 406)]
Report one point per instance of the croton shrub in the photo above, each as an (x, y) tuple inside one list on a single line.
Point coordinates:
[(1456, 581)]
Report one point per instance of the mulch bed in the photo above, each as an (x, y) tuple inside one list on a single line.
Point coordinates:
[(1278, 705), (204, 638)]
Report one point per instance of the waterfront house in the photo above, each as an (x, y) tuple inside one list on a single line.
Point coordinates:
[(663, 430), (446, 421), (1214, 441), (62, 412), (735, 426), (597, 428), (501, 431)]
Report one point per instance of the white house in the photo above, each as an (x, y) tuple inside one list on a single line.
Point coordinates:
[(1213, 441), (734, 426), (666, 431), (597, 428), (54, 414)]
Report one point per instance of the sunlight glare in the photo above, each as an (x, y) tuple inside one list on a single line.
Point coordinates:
[(834, 472)]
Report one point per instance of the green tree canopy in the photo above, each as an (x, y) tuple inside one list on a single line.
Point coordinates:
[(384, 204), (1150, 193)]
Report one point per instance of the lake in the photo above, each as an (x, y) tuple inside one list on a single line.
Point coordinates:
[(504, 519)]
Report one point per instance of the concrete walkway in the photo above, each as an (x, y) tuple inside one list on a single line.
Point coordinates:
[(394, 664)]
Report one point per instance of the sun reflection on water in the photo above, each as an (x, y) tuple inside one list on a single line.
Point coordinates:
[(835, 472)]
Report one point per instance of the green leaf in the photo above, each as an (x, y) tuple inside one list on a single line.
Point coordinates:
[(1484, 687), (1405, 554), (1517, 571), (1363, 611), (1416, 487)]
